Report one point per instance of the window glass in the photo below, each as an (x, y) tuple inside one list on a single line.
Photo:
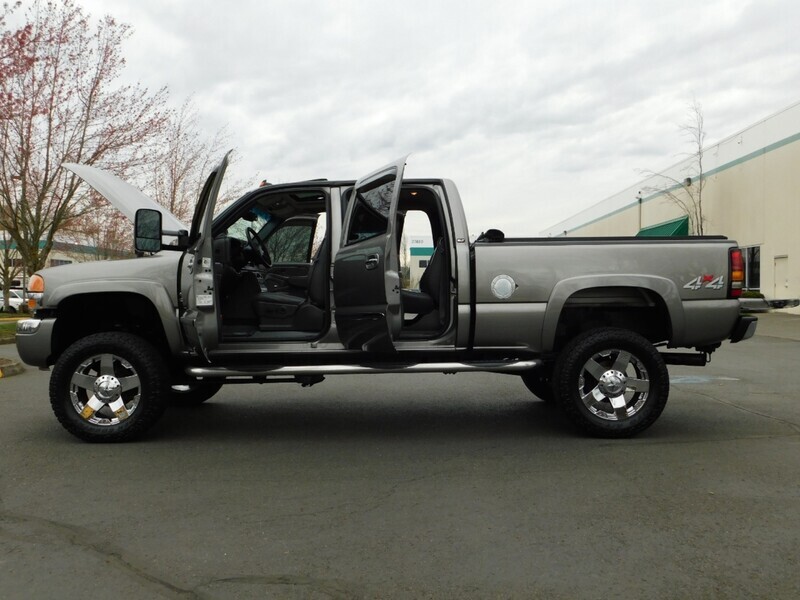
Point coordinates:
[(752, 267), (255, 218), (378, 196), (371, 213), (291, 243)]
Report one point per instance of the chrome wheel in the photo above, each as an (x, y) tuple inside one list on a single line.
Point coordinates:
[(109, 387), (611, 382), (613, 385), (105, 390)]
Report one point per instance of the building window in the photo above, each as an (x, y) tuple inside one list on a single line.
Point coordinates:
[(56, 262), (423, 264), (752, 267)]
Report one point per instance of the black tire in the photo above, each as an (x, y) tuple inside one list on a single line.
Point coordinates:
[(613, 365), (539, 382), (193, 393), (109, 387), (10, 309)]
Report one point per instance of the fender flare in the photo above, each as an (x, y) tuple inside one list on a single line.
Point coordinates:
[(563, 290), (153, 292)]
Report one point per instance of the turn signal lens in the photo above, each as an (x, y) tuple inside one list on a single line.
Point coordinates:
[(35, 291), (36, 284)]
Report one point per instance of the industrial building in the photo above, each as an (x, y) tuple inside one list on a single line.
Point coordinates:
[(751, 193)]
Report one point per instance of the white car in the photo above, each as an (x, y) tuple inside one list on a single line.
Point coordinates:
[(15, 302)]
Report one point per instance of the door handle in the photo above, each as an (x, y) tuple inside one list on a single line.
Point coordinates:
[(372, 262)]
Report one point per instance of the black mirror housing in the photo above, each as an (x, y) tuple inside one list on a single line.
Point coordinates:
[(147, 230)]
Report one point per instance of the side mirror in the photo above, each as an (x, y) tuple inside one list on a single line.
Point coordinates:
[(147, 236)]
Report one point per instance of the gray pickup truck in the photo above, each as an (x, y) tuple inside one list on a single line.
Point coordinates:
[(297, 281)]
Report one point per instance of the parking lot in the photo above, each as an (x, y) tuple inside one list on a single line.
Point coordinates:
[(397, 486)]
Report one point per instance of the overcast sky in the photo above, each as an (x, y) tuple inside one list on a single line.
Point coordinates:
[(535, 109)]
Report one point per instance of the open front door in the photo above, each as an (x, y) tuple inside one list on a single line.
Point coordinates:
[(366, 274), (200, 311)]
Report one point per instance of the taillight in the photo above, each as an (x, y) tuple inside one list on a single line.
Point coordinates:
[(737, 273)]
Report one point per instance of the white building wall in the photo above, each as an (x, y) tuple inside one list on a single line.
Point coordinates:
[(752, 195)]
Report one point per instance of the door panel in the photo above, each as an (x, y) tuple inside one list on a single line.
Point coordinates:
[(200, 319), (367, 269)]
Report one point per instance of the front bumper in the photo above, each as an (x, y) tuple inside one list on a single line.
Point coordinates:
[(34, 337), (744, 329)]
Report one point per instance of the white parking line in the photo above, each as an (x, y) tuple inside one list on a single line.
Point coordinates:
[(699, 379)]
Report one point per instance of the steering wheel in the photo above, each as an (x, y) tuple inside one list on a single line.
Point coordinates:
[(258, 246)]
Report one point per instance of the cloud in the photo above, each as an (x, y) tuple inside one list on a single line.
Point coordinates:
[(535, 109)]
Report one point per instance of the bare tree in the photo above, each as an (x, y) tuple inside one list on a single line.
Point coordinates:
[(9, 267), (102, 233), (15, 54), (59, 102), (405, 264), (187, 157), (687, 192)]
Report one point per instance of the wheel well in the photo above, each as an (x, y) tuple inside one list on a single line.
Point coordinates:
[(85, 314), (636, 309)]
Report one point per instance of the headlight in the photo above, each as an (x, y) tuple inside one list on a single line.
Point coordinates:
[(28, 325)]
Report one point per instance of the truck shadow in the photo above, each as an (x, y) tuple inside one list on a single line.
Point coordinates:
[(316, 419)]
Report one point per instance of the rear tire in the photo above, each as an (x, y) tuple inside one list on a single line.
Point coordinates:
[(611, 383), (109, 387)]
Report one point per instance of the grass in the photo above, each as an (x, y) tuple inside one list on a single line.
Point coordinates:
[(8, 326)]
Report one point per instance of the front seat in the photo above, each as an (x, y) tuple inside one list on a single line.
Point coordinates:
[(285, 311), (432, 292)]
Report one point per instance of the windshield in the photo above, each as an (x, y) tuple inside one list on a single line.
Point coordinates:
[(256, 219)]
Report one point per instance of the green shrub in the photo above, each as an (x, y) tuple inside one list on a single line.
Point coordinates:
[(752, 294)]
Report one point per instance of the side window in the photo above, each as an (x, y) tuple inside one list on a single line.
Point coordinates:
[(371, 213), (752, 263), (291, 243)]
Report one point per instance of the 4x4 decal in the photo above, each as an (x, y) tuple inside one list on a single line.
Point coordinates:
[(706, 281)]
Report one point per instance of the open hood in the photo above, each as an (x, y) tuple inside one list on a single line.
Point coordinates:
[(123, 196)]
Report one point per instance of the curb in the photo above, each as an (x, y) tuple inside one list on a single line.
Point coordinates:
[(10, 367)]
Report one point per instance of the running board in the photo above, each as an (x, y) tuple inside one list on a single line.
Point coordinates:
[(517, 366)]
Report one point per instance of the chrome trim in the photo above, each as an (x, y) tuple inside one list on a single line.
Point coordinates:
[(517, 366)]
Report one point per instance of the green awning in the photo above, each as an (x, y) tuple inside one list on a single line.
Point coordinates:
[(675, 227)]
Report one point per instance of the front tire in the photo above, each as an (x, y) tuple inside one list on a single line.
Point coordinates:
[(109, 387), (611, 383)]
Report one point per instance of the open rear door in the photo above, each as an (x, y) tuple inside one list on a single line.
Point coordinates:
[(200, 312), (366, 274)]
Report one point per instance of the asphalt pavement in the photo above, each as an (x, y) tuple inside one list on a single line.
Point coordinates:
[(430, 486)]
